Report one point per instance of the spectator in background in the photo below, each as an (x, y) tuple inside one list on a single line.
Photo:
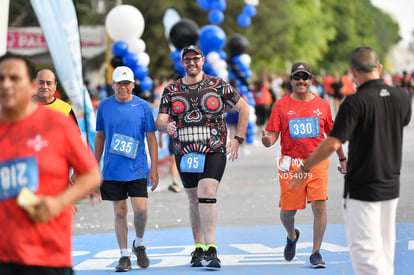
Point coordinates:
[(337, 89), (407, 83), (46, 90)]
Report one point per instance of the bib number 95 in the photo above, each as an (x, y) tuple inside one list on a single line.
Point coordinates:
[(192, 163)]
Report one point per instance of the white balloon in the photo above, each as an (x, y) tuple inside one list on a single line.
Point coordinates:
[(223, 74), (136, 45), (245, 59), (124, 22), (220, 65), (252, 2), (143, 59), (213, 57)]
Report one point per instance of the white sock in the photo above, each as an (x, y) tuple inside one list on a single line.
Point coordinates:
[(124, 252), (138, 241)]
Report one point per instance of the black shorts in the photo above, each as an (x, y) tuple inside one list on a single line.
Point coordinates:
[(12, 269), (214, 166), (120, 190)]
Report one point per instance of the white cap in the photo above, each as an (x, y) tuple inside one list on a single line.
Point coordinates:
[(122, 73)]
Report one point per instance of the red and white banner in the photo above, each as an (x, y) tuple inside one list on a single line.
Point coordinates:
[(31, 41)]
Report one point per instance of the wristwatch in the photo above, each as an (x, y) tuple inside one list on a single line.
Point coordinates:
[(240, 140)]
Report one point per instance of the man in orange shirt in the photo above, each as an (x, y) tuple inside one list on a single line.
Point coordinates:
[(302, 119)]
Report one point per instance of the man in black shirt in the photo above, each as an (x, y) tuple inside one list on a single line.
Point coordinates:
[(372, 120)]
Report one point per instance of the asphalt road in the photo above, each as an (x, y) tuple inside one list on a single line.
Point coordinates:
[(248, 195)]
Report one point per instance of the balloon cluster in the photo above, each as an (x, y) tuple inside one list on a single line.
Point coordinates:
[(244, 19), (211, 39), (125, 25), (239, 61), (215, 8)]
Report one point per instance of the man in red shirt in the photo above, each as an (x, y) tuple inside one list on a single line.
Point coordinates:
[(38, 147), (302, 119)]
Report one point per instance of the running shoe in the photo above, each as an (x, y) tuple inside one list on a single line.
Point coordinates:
[(290, 248), (197, 257), (210, 257), (316, 260), (124, 264), (142, 258), (174, 188)]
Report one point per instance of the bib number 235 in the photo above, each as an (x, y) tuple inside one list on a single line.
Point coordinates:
[(192, 163)]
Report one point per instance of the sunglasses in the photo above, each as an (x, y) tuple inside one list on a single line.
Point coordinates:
[(305, 77), (195, 59)]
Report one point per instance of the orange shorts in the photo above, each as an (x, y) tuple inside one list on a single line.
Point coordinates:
[(314, 188)]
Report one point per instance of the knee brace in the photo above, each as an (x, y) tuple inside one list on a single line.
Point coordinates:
[(206, 200)]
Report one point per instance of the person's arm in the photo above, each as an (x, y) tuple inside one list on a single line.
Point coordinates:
[(269, 137), (99, 145), (233, 146), (163, 125), (342, 160), (153, 152), (50, 207), (322, 152)]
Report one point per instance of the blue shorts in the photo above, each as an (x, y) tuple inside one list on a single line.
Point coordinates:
[(120, 190), (214, 166)]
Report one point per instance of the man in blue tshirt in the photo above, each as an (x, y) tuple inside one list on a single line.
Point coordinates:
[(122, 124)]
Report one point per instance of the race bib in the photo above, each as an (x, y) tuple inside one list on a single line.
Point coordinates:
[(16, 174), (305, 127), (124, 146), (192, 163)]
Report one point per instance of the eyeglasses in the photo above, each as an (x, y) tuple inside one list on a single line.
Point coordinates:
[(304, 77), (195, 59), (47, 82)]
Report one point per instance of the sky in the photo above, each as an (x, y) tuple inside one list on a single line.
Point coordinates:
[(403, 12)]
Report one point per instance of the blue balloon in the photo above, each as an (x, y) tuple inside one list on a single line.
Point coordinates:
[(140, 72), (212, 38), (146, 84), (178, 67), (220, 5), (130, 60), (223, 54), (244, 20), (119, 48), (176, 56), (232, 76), (216, 17), (204, 4), (249, 10), (237, 60)]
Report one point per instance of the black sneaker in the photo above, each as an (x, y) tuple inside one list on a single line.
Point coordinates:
[(197, 257), (290, 248), (142, 258), (210, 256), (316, 260), (124, 264)]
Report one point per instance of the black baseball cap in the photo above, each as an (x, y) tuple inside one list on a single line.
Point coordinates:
[(300, 67), (191, 48)]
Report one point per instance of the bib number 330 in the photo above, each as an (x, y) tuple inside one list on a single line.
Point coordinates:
[(306, 127), (192, 163)]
